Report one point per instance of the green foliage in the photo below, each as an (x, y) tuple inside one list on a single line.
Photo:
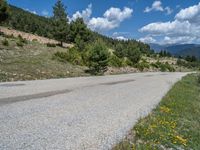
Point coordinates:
[(198, 78), (79, 33), (115, 61), (165, 54), (191, 58), (5, 42), (51, 45), (4, 11), (98, 58), (22, 20), (22, 40), (163, 66), (120, 50), (189, 64), (173, 124), (60, 22), (20, 43), (134, 55), (72, 55), (127, 62), (142, 65)]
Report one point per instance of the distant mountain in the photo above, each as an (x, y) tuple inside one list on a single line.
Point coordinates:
[(156, 47), (178, 49), (195, 51)]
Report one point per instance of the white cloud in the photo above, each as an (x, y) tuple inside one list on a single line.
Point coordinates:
[(157, 6), (31, 11), (85, 14), (191, 14), (185, 28), (45, 13), (121, 38), (147, 39), (168, 10), (119, 33), (118, 14), (111, 18), (101, 24), (181, 39)]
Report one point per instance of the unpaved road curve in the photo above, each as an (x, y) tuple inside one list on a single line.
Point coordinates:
[(77, 113)]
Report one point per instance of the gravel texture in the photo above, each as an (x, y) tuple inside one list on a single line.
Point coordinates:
[(77, 113)]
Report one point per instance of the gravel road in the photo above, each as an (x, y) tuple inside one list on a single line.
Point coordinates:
[(77, 113)]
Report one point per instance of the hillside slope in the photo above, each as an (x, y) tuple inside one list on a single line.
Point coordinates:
[(33, 61)]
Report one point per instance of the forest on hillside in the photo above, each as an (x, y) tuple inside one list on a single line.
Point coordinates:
[(90, 48)]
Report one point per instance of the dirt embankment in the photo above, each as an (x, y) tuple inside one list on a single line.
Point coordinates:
[(30, 37)]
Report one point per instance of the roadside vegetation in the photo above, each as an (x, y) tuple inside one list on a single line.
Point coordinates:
[(92, 52), (174, 124)]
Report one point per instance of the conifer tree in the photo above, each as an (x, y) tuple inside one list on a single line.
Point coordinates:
[(60, 22), (3, 10)]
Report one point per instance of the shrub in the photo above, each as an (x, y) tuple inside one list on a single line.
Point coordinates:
[(141, 66), (20, 44), (98, 58), (9, 36), (51, 45), (115, 61), (34, 40), (134, 55), (22, 40), (198, 78), (127, 62), (5, 42), (163, 67), (72, 56)]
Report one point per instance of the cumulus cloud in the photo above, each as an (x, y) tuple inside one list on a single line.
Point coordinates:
[(121, 38), (183, 29), (85, 14), (181, 39), (111, 18), (191, 14), (157, 6), (31, 11), (147, 39)]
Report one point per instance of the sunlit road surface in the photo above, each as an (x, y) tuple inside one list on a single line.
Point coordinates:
[(77, 113)]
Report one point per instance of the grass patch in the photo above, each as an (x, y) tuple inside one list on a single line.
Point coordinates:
[(174, 124), (32, 61)]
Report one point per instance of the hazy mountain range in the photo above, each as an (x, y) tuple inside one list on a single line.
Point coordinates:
[(178, 49)]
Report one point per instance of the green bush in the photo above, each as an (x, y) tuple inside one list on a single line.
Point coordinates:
[(127, 62), (134, 55), (142, 65), (198, 78), (20, 44), (115, 61), (51, 45), (163, 67), (98, 58), (5, 42), (22, 40), (72, 56)]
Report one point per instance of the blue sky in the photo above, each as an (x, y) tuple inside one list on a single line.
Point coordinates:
[(155, 21)]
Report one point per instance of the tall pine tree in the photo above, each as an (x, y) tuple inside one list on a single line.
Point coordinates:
[(60, 22)]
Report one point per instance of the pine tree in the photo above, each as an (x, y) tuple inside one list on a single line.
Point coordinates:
[(79, 33), (60, 22), (3, 10), (98, 58)]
